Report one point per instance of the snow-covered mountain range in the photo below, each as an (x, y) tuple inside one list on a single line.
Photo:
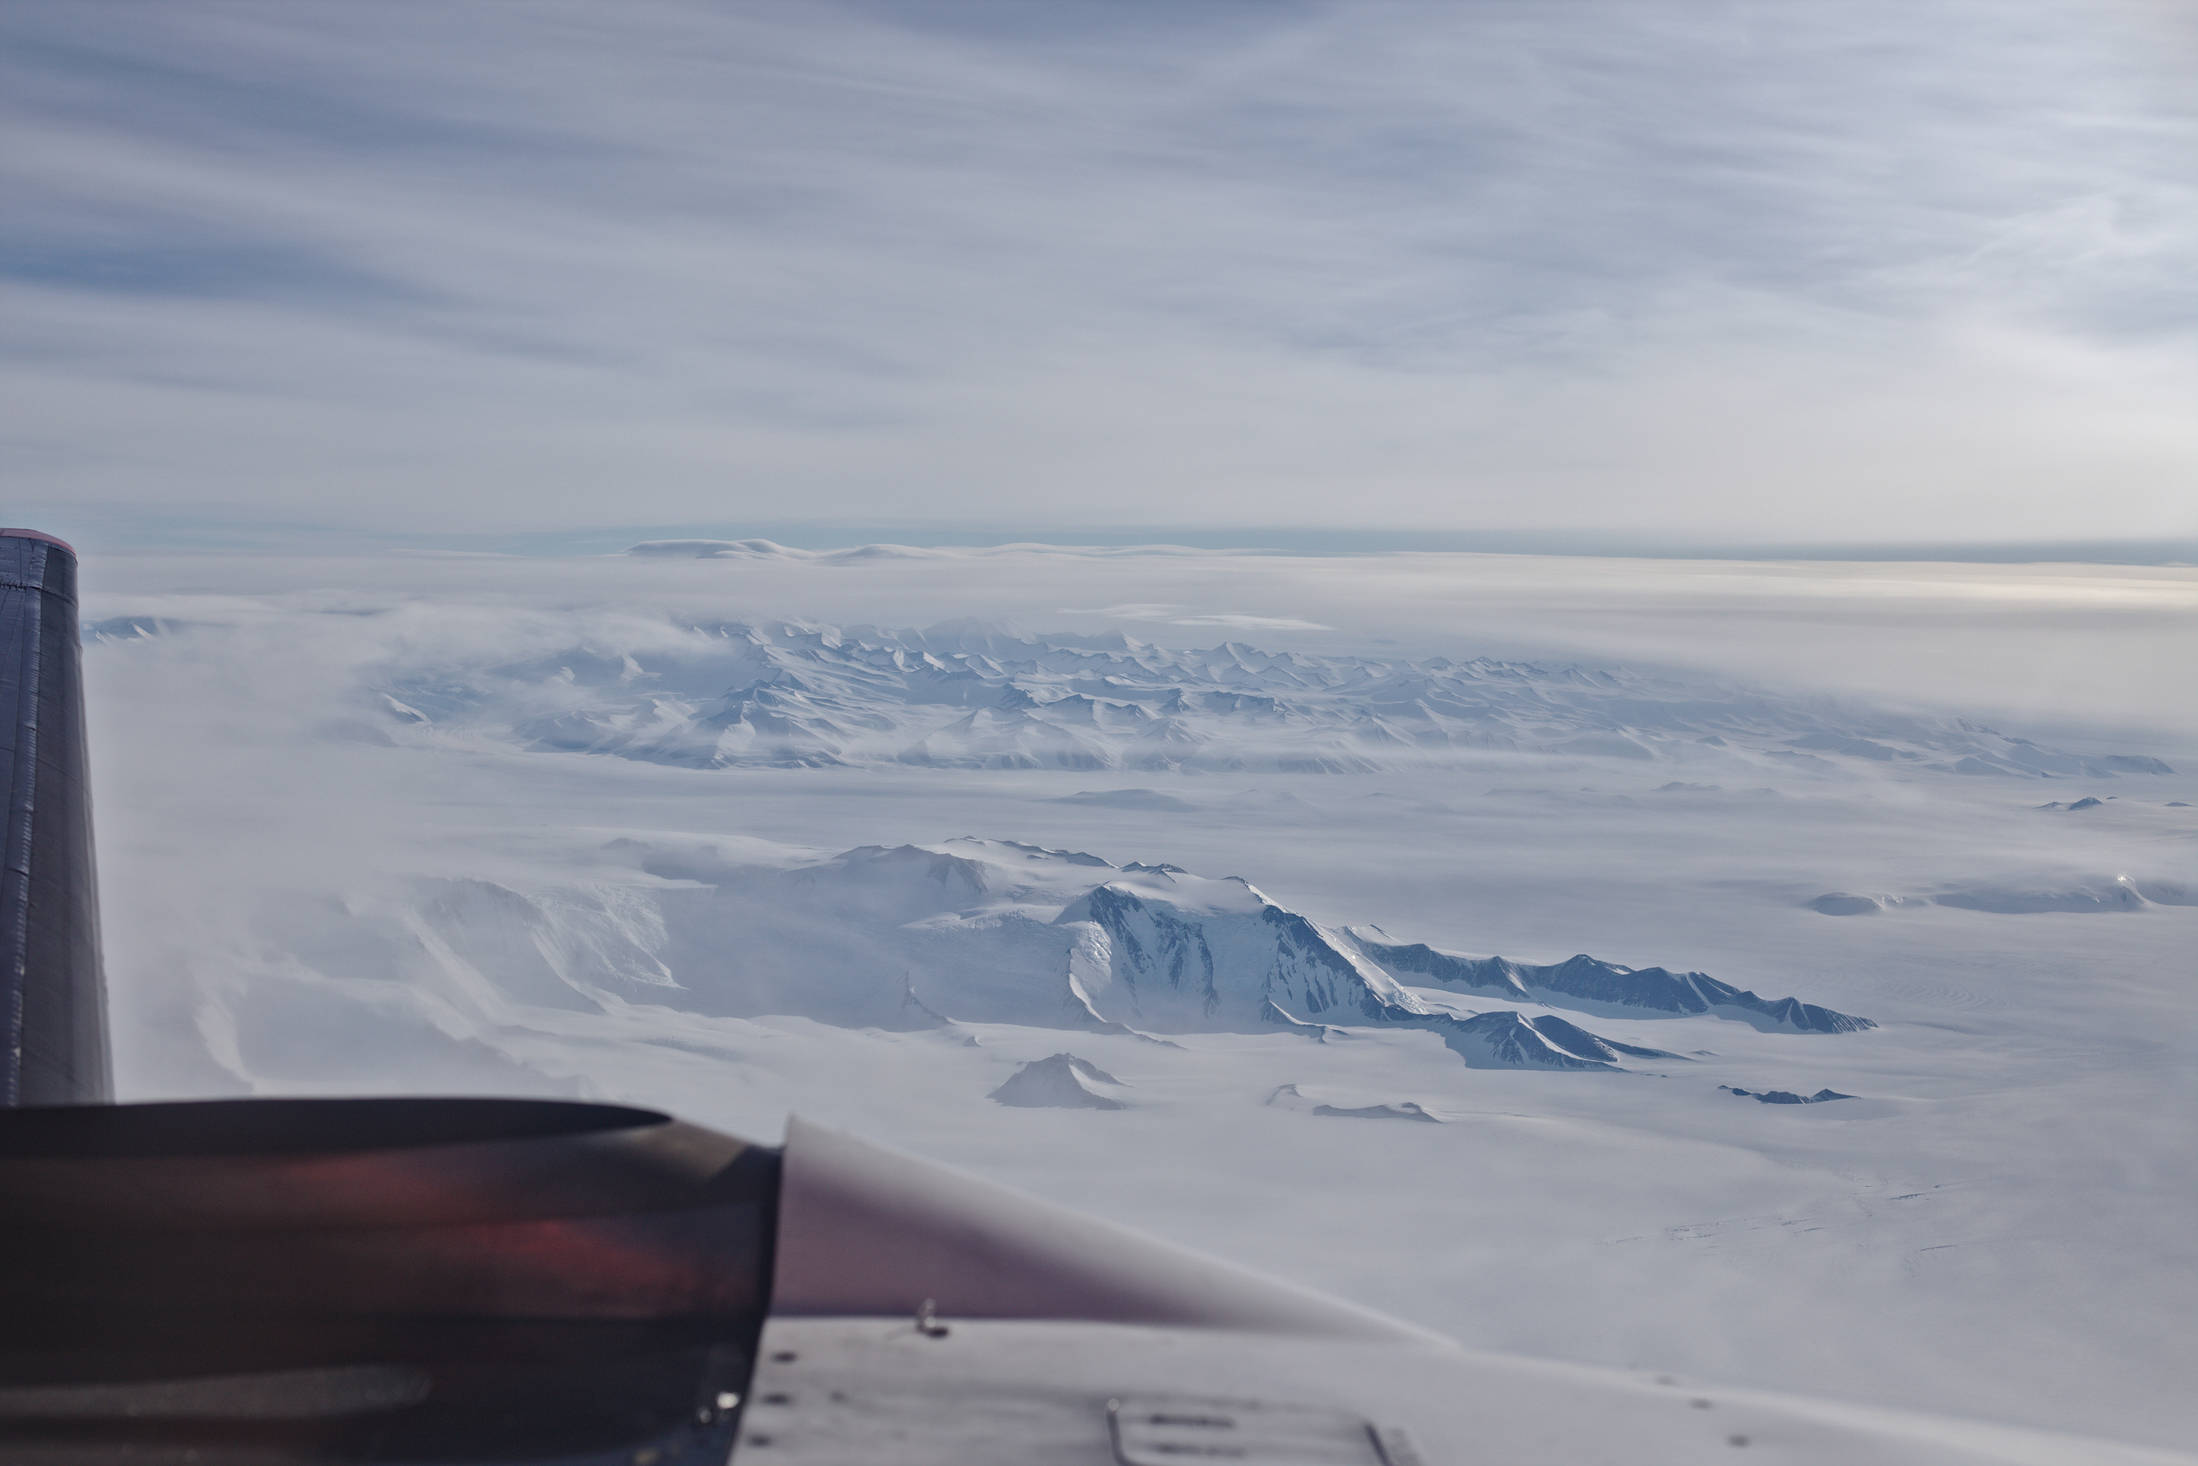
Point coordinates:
[(983, 931), (801, 694)]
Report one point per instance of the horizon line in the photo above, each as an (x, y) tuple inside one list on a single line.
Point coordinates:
[(161, 534)]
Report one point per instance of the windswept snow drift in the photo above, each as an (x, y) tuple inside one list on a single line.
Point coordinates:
[(2009, 899), (1149, 801), (1846, 903), (2079, 895)]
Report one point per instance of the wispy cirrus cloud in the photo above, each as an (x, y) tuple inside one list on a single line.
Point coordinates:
[(1867, 271)]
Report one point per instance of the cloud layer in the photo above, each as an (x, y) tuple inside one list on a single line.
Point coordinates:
[(1873, 271)]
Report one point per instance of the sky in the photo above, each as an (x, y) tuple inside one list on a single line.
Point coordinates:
[(1664, 269)]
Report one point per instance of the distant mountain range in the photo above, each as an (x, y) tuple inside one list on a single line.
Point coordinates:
[(789, 694)]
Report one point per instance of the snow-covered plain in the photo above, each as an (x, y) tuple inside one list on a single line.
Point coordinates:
[(733, 831)]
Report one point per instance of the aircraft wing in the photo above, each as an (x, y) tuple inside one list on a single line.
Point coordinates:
[(457, 1281)]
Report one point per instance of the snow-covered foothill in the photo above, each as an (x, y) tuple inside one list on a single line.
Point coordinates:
[(1784, 1096), (1061, 1082)]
